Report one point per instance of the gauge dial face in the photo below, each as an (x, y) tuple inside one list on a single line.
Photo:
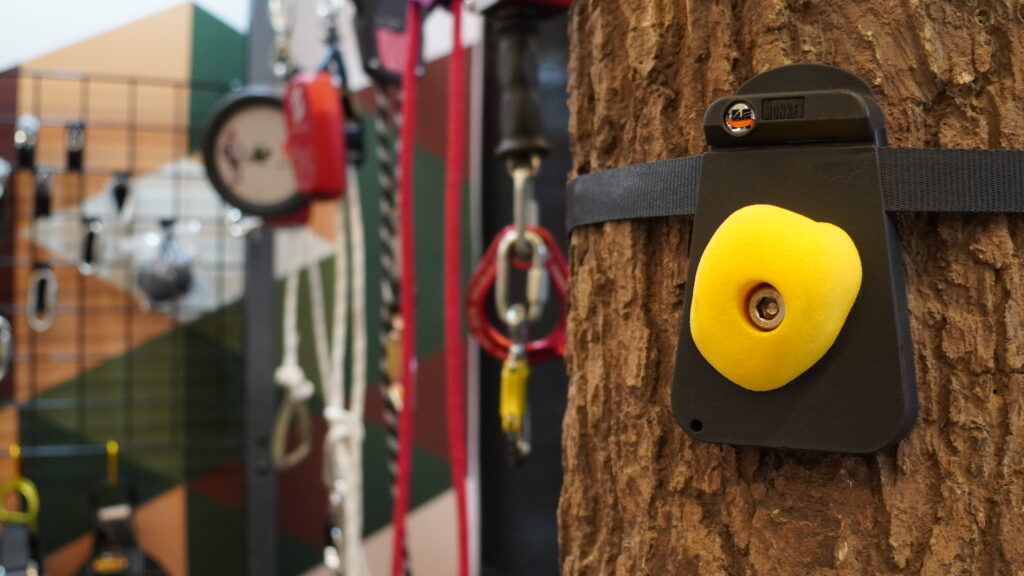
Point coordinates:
[(250, 158)]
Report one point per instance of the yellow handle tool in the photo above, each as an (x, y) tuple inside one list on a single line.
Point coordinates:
[(512, 397), (23, 486)]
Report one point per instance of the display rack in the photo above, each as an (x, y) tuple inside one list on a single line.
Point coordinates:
[(165, 382)]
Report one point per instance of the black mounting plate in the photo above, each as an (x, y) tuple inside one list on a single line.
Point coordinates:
[(860, 397)]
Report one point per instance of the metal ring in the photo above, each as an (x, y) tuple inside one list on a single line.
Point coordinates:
[(539, 260)]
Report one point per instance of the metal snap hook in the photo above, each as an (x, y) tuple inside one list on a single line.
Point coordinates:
[(42, 298), (92, 247)]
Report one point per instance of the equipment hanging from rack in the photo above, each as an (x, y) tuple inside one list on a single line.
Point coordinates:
[(26, 138), (245, 138), (116, 550), (401, 393), (20, 550), (384, 45), (169, 277), (317, 136), (523, 245), (74, 145), (42, 282)]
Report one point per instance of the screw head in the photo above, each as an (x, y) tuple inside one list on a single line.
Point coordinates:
[(766, 307)]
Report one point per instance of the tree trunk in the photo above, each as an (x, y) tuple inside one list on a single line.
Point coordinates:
[(639, 496)]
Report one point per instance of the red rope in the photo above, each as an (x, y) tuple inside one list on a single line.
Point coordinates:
[(453, 343), (407, 292)]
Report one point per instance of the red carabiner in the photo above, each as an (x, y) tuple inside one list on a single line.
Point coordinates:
[(481, 283)]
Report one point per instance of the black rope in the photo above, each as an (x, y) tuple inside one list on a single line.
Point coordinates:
[(386, 123)]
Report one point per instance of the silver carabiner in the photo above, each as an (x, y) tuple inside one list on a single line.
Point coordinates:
[(524, 201), (536, 277), (42, 298), (92, 247), (281, 14), (6, 346)]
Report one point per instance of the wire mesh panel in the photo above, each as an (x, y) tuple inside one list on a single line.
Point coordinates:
[(163, 378)]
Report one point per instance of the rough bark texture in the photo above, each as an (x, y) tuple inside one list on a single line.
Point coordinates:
[(639, 496)]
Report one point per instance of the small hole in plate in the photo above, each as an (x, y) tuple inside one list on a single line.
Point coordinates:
[(696, 425)]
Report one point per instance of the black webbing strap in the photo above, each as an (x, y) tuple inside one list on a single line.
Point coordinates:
[(664, 188), (15, 549), (913, 180)]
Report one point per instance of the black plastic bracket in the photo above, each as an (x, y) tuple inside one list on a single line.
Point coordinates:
[(381, 30), (805, 138)]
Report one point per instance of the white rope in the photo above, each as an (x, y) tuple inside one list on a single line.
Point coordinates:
[(359, 362), (343, 447), (290, 376)]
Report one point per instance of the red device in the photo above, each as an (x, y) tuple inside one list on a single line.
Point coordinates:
[(316, 140)]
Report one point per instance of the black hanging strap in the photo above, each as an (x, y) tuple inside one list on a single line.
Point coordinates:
[(913, 180)]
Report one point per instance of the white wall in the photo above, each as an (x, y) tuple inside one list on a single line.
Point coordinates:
[(39, 27)]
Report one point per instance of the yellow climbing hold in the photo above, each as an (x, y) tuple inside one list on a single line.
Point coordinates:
[(771, 294)]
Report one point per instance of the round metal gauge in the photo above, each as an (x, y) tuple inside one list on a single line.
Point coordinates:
[(245, 157)]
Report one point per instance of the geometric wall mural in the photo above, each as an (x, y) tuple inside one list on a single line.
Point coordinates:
[(166, 382)]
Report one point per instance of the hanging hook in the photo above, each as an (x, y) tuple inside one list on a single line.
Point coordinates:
[(22, 486), (5, 174), (14, 450), (113, 463), (6, 346), (42, 297)]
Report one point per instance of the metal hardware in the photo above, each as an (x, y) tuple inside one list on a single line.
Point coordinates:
[(483, 280), (515, 373), (536, 278), (42, 298), (814, 149), (26, 136), (6, 346), (766, 307), (525, 211), (92, 247), (282, 21), (74, 145), (5, 175)]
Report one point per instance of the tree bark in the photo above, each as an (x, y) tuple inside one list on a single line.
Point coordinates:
[(641, 497)]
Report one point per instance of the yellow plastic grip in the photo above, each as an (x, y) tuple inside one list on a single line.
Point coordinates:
[(813, 270), (28, 491), (512, 396)]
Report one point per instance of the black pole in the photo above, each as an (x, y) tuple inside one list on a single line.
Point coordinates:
[(260, 480)]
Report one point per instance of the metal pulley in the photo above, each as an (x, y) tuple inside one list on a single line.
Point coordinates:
[(169, 277)]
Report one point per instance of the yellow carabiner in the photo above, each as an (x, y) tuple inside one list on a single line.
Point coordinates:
[(512, 397), (23, 486)]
